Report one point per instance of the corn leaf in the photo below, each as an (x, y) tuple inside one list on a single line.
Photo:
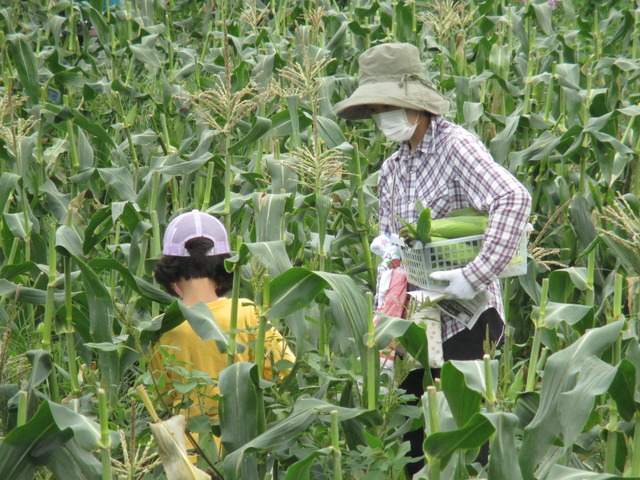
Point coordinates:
[(566, 371)]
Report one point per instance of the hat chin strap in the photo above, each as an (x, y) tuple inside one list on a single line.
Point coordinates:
[(407, 77)]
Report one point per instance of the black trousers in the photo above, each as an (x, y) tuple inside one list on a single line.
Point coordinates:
[(464, 345)]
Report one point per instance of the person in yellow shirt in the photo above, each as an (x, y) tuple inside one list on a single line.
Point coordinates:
[(192, 268)]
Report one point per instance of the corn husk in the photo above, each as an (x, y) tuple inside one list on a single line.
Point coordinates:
[(170, 439)]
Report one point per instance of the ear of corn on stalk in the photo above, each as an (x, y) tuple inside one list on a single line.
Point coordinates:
[(169, 436)]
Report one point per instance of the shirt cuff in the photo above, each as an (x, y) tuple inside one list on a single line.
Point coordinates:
[(479, 274)]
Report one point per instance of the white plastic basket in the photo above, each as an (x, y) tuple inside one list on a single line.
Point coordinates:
[(421, 260)]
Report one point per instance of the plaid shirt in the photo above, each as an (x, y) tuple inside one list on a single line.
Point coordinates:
[(452, 169)]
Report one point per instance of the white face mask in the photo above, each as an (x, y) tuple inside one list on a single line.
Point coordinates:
[(395, 124)]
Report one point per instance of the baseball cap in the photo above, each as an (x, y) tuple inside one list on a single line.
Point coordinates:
[(194, 224)]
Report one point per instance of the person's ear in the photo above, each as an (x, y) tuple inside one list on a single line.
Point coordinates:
[(177, 289)]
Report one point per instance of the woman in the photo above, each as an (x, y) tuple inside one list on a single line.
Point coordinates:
[(192, 268)]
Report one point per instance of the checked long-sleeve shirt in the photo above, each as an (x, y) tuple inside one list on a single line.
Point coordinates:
[(451, 169)]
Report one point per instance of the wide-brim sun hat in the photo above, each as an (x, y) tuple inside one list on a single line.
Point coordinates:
[(391, 74), (194, 224)]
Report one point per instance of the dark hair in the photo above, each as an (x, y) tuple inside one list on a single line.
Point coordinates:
[(169, 269)]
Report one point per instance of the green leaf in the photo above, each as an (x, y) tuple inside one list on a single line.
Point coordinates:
[(544, 16), (100, 305), (352, 302), (101, 26), (473, 371), (283, 177), (171, 318), (291, 291), (241, 409), (472, 435), (68, 242), (301, 469), (463, 401), (305, 411), (94, 129), (577, 369), (623, 388), (86, 432), (271, 211), (389, 328), (628, 256), (500, 60), (540, 149), (135, 249), (581, 218), (57, 202), (241, 404), (30, 445), (501, 143), (560, 472), (330, 132), (260, 128), (121, 181), (71, 461), (128, 213), (414, 342), (8, 183), (563, 312), (282, 432), (23, 57), (577, 404), (185, 388), (503, 461), (283, 125), (137, 284), (98, 228), (564, 281), (146, 55), (11, 271), (203, 323), (16, 223), (40, 368), (174, 166), (102, 346), (44, 437), (26, 294), (272, 254)]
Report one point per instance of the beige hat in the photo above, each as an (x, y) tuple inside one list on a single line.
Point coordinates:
[(391, 74)]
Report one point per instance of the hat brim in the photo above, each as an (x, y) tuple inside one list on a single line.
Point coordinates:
[(412, 95)]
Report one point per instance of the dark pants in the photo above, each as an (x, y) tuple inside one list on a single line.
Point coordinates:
[(464, 345)]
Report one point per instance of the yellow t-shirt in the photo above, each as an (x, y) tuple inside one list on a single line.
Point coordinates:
[(194, 354)]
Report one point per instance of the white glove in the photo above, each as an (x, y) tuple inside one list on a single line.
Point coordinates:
[(459, 287)]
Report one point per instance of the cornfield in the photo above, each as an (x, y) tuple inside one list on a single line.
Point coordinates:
[(116, 115)]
